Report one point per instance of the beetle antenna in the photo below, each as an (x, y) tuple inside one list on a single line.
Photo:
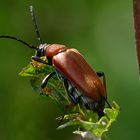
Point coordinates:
[(35, 24), (19, 40)]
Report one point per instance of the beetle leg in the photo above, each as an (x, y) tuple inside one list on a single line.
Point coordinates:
[(70, 90), (102, 74), (36, 58), (45, 80)]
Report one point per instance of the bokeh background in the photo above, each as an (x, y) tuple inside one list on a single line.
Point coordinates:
[(101, 30)]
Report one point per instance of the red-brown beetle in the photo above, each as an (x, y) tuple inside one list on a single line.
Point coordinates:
[(82, 83)]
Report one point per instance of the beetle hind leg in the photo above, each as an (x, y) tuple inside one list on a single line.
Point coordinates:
[(102, 74)]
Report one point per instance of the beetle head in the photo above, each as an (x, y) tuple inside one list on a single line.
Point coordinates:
[(41, 50)]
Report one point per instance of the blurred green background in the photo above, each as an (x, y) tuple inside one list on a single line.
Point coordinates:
[(101, 30)]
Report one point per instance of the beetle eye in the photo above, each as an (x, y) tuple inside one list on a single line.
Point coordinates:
[(40, 52)]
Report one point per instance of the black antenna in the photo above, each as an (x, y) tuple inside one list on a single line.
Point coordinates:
[(19, 40), (35, 24)]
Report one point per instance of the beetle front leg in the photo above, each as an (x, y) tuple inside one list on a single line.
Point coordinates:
[(46, 79), (36, 58)]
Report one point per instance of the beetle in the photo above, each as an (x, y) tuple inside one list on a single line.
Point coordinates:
[(83, 85)]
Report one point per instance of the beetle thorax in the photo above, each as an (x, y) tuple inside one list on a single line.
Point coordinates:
[(54, 49)]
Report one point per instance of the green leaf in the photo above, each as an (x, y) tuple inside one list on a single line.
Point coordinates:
[(36, 71), (97, 128), (28, 71), (55, 88)]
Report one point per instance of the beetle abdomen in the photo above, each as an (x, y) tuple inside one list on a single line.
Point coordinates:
[(77, 70), (78, 98)]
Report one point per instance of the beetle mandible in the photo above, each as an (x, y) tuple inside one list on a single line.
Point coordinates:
[(82, 83)]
